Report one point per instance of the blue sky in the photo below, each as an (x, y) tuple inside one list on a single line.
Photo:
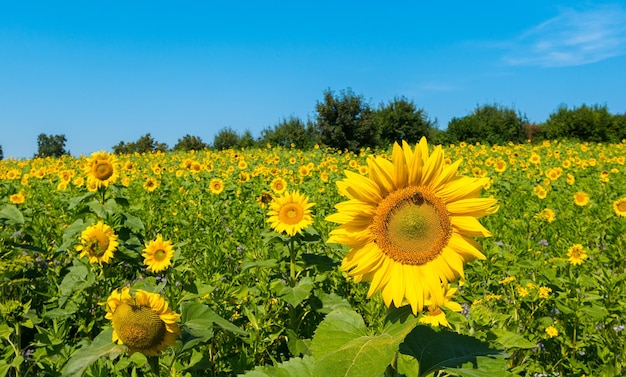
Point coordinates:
[(104, 72)]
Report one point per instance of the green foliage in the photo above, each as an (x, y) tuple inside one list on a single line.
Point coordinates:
[(145, 144), (1, 153), (491, 124), (246, 140), (585, 123), (291, 132), (226, 138), (190, 143), (51, 145), (346, 122), (401, 120)]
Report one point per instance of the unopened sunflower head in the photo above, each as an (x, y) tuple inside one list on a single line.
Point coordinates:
[(409, 224)]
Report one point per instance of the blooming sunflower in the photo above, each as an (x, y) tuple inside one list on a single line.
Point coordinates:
[(278, 185), (216, 186), (409, 224), (17, 198), (619, 206), (98, 243), (435, 316), (576, 254), (102, 169), (142, 321), (290, 213), (158, 254), (581, 199)]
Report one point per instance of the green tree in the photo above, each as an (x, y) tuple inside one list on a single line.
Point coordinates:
[(585, 123), (226, 138), (145, 144), (51, 145), (1, 153), (291, 131), (346, 121), (246, 140), (190, 143), (492, 124), (401, 120)]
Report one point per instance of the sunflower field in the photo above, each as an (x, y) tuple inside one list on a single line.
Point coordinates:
[(419, 260)]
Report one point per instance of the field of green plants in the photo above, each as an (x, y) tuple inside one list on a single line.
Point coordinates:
[(240, 298)]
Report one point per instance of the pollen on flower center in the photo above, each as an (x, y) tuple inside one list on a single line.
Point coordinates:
[(159, 255), (291, 214), (411, 226), (139, 327), (103, 170)]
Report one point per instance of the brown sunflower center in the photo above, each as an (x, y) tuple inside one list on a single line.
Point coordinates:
[(98, 244), (139, 327), (411, 226), (103, 170), (159, 255), (291, 213), (621, 206)]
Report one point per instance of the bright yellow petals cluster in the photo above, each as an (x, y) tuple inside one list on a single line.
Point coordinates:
[(216, 186), (101, 170), (435, 316), (576, 254), (98, 242), (142, 321), (409, 225), (551, 331), (18, 198), (290, 213), (581, 198), (158, 254), (619, 206)]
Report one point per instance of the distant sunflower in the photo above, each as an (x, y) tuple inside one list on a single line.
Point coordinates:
[(581, 199), (290, 213), (619, 206), (576, 254), (409, 224), (150, 184), (216, 186), (98, 243), (158, 254), (17, 198), (102, 169), (142, 321), (278, 185)]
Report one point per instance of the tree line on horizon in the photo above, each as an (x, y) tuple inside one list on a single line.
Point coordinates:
[(345, 121)]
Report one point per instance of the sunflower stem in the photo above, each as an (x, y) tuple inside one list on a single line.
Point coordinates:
[(153, 361), (292, 262)]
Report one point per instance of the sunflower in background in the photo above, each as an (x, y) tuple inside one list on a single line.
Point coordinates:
[(619, 206), (290, 213), (158, 254), (102, 169), (98, 243), (142, 321), (409, 225)]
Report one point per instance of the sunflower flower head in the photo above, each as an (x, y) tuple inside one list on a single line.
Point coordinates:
[(576, 254), (142, 321), (619, 206), (102, 169), (158, 254), (409, 224), (435, 316), (290, 213), (98, 242)]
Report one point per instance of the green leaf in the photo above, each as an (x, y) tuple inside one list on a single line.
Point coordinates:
[(301, 367), (296, 345), (78, 278), (331, 301), (512, 340), (342, 346), (198, 320), (133, 222), (443, 349), (11, 214), (101, 346), (294, 295), (269, 263)]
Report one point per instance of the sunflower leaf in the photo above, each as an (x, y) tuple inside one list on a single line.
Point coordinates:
[(12, 215), (101, 346), (294, 295), (301, 367), (462, 354)]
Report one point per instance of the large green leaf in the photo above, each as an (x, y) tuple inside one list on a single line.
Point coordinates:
[(342, 345), (300, 367), (198, 320), (101, 346), (11, 215), (294, 295), (443, 349)]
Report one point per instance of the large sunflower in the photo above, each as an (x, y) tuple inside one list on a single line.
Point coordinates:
[(142, 321), (98, 243), (158, 254), (409, 224), (290, 213), (102, 169)]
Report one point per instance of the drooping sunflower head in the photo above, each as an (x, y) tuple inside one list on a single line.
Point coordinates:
[(142, 321), (158, 254), (409, 224), (102, 169), (290, 213), (98, 242)]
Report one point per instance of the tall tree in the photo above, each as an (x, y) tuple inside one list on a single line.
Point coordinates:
[(401, 120), (291, 131), (584, 123), (51, 145), (226, 138), (345, 121), (492, 124), (189, 143), (1, 153), (144, 144)]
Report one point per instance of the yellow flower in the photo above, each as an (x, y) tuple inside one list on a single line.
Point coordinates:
[(409, 224), (278, 185), (216, 186), (521, 291), (547, 214), (552, 331), (507, 279), (142, 321), (576, 254), (150, 184), (17, 198), (264, 199), (290, 213), (435, 315), (500, 166), (581, 199), (544, 292), (158, 254), (619, 206), (98, 243), (102, 169)]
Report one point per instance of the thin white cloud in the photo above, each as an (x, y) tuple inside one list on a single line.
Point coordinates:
[(572, 38)]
